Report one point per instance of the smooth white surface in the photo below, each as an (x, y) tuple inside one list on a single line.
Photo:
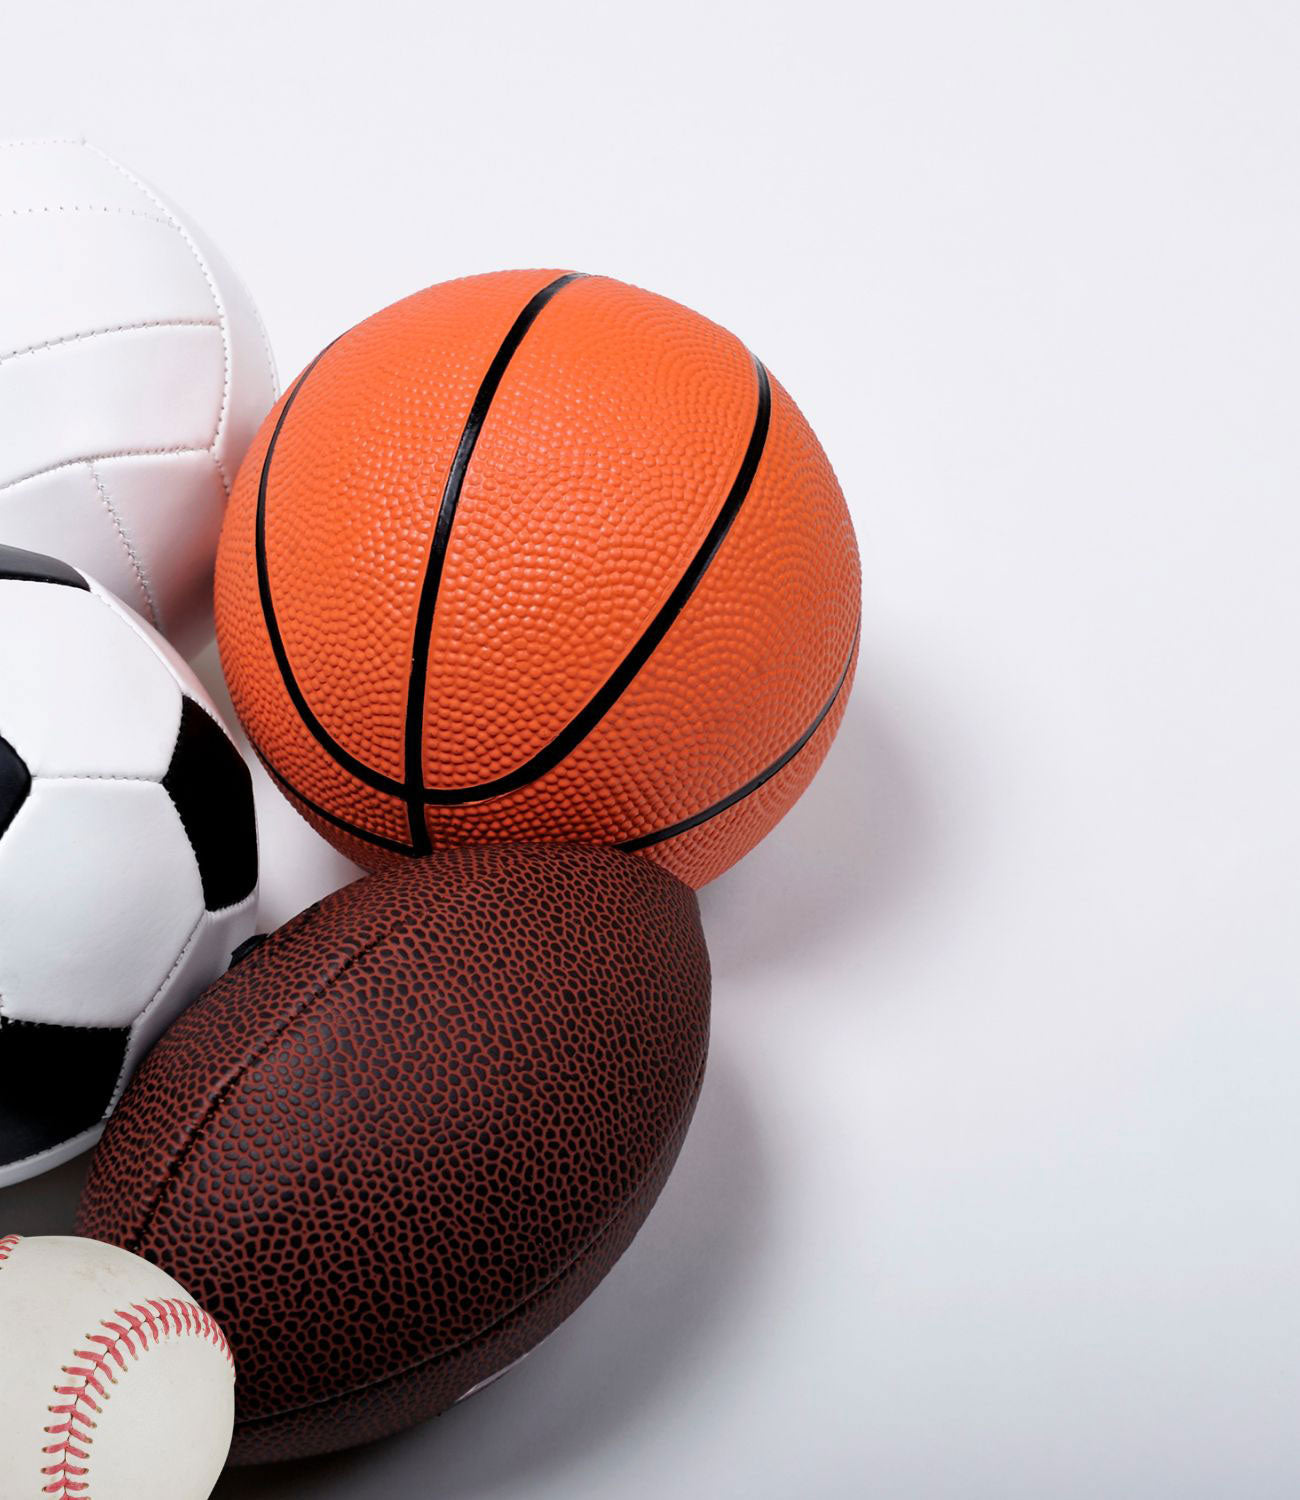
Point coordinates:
[(80, 695), (99, 893), (133, 374), (992, 1190), (102, 919), (155, 1426)]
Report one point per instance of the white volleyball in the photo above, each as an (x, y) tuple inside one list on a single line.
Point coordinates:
[(134, 371)]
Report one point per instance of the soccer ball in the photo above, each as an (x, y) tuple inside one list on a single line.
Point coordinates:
[(133, 373), (128, 853)]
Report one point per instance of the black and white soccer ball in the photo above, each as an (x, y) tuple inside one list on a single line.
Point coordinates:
[(128, 853)]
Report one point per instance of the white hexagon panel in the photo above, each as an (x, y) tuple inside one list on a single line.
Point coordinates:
[(128, 853)]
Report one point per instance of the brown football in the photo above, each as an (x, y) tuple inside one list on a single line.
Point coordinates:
[(403, 1138)]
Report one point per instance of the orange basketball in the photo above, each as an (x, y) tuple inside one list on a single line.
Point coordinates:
[(539, 556)]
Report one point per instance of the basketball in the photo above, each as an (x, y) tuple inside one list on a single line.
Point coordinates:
[(539, 556)]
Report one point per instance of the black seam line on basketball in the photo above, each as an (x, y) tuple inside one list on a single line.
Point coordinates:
[(581, 725), (379, 839), (630, 846), (669, 1149), (596, 708), (344, 757), (451, 492)]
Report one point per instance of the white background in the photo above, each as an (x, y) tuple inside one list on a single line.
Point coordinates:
[(992, 1191)]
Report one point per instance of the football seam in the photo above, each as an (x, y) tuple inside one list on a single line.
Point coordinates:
[(214, 1103), (173, 1172), (539, 1291)]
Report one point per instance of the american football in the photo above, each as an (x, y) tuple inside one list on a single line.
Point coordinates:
[(404, 1137)]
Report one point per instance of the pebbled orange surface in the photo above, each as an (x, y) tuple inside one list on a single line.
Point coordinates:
[(612, 441)]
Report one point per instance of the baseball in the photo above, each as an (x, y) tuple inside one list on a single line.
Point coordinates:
[(116, 1383)]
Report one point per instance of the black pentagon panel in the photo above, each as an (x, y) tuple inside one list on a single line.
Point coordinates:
[(55, 1082), (15, 783), (35, 567), (213, 792)]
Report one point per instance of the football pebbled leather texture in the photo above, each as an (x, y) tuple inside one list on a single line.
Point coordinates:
[(403, 1138)]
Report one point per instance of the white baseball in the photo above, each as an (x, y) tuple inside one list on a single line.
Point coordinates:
[(115, 1385)]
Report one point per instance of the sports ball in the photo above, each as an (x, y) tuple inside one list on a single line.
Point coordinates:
[(128, 853), (133, 373), (408, 1134), (543, 557), (117, 1385)]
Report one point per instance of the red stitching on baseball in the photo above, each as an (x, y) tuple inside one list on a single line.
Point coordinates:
[(7, 1243), (130, 1331)]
